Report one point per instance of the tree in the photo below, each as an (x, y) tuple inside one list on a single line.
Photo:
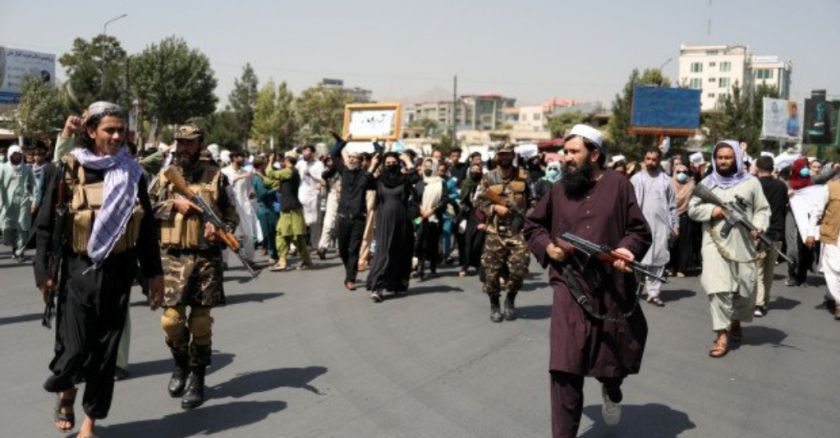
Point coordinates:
[(430, 126), (41, 112), (173, 82), (738, 116), (559, 124), (623, 142), (96, 70), (221, 128), (274, 117), (318, 110), (243, 98)]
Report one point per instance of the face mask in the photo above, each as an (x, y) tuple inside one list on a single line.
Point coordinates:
[(805, 172), (2, 159), (475, 176), (681, 177), (553, 173), (427, 172), (392, 168)]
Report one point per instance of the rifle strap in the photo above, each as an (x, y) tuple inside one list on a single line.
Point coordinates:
[(721, 247), (586, 305)]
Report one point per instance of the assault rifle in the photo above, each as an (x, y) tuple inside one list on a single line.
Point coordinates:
[(734, 214), (55, 265), (518, 216), (571, 243), (222, 230)]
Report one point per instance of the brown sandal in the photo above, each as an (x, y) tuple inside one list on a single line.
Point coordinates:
[(719, 349)]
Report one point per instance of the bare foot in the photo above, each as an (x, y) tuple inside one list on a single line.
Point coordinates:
[(87, 428)]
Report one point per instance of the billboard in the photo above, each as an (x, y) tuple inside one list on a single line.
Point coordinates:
[(780, 120), (665, 108), (820, 121), (15, 64)]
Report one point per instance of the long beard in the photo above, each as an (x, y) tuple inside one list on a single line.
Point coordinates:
[(578, 182)]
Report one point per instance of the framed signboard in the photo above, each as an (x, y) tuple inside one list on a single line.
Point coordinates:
[(368, 121)]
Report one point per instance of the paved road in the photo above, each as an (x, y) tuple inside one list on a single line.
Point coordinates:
[(298, 356)]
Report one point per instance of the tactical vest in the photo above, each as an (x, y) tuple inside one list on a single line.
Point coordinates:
[(84, 207), (178, 231), (514, 191)]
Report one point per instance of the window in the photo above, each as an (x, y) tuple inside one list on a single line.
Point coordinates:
[(712, 79), (725, 82), (711, 52), (537, 117), (711, 95), (696, 67), (726, 66), (696, 83), (524, 117), (764, 73), (712, 64)]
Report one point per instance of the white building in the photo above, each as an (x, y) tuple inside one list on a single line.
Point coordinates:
[(715, 69)]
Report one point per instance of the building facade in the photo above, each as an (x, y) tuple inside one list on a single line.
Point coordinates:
[(357, 95), (716, 69), (479, 112)]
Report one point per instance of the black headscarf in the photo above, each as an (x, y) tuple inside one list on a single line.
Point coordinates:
[(395, 177)]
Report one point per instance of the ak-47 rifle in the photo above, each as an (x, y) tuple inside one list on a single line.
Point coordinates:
[(518, 216), (571, 243), (734, 214), (55, 267), (222, 231)]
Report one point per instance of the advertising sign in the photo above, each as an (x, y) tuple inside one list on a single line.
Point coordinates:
[(780, 119), (15, 64)]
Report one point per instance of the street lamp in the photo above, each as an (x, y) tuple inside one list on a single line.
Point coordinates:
[(663, 66), (105, 26)]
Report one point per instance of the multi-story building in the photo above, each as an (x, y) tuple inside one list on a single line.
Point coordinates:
[(715, 69), (357, 95), (480, 112), (769, 70)]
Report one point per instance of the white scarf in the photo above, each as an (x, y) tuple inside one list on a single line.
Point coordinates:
[(432, 192)]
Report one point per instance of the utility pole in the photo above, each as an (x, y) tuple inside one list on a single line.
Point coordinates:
[(105, 50), (455, 112)]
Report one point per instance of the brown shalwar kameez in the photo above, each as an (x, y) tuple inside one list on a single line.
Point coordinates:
[(580, 344)]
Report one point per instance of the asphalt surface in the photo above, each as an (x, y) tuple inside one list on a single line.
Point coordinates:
[(296, 355)]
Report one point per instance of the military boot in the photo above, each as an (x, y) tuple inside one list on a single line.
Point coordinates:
[(179, 376), (194, 397), (510, 309), (495, 309)]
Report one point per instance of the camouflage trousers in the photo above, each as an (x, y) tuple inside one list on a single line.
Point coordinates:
[(504, 256), (191, 279)]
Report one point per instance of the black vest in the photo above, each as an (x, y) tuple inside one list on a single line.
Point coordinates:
[(289, 193)]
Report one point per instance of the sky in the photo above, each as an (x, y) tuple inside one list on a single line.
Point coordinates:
[(528, 49)]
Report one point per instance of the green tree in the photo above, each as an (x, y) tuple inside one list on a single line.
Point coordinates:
[(174, 82), (623, 142), (318, 110), (559, 124), (96, 70), (738, 116), (274, 117), (221, 128), (41, 112), (243, 98)]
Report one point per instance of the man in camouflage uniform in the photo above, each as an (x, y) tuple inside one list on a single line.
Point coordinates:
[(192, 263), (505, 250)]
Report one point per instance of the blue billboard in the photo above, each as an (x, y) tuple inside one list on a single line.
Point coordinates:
[(665, 108)]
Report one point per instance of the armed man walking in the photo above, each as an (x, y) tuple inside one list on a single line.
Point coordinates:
[(505, 251), (597, 327), (729, 260), (192, 259)]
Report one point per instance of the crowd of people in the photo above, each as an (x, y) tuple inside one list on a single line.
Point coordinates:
[(485, 216)]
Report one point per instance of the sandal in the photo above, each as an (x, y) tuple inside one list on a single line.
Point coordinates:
[(719, 349), (655, 301), (305, 267), (67, 417), (279, 267)]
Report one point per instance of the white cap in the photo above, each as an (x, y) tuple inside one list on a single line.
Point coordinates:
[(589, 133), (767, 154), (617, 158), (696, 158)]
